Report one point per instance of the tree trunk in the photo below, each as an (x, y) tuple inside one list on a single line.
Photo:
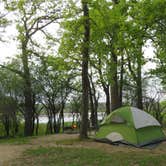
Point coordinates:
[(49, 129), (115, 93), (37, 124), (139, 83), (108, 104), (121, 81), (85, 57), (28, 129), (115, 101), (6, 124), (62, 115), (93, 105)]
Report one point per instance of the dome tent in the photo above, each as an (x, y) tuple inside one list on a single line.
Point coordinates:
[(132, 126)]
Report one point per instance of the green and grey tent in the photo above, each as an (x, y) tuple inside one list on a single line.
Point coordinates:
[(132, 126)]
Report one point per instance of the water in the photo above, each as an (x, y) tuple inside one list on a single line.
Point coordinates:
[(67, 117)]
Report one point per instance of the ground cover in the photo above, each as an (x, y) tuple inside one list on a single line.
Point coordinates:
[(67, 149)]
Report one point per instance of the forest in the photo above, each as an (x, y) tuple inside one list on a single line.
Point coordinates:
[(75, 55)]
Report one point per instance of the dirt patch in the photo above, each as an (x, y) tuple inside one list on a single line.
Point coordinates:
[(10, 152), (51, 139)]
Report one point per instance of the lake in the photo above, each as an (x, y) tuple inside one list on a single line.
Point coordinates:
[(67, 117)]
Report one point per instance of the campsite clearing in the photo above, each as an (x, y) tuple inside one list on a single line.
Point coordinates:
[(65, 149)]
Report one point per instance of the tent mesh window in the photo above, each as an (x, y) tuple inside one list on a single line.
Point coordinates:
[(117, 119)]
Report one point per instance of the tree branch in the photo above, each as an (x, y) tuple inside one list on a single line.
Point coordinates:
[(12, 70), (38, 20), (130, 68)]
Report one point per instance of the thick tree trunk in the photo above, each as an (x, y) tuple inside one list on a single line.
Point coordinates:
[(115, 100), (139, 83), (28, 129), (121, 81), (108, 104), (37, 125), (93, 104), (85, 57), (115, 90), (139, 94)]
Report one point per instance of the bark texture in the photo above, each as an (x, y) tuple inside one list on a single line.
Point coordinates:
[(85, 81)]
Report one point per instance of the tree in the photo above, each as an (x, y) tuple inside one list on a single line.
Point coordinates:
[(142, 29), (53, 82), (157, 35), (107, 37), (75, 109), (10, 99), (32, 17), (8, 115), (85, 59), (94, 97)]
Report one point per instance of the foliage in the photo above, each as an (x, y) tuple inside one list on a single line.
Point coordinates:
[(4, 22)]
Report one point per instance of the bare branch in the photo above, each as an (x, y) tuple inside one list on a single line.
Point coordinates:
[(35, 26)]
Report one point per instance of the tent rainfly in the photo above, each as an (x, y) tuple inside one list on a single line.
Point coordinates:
[(132, 126)]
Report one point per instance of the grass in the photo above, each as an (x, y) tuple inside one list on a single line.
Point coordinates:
[(19, 138), (16, 140), (68, 141), (41, 130), (65, 155), (62, 156)]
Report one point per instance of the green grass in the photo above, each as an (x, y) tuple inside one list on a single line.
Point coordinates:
[(88, 157), (41, 130), (16, 140), (20, 139)]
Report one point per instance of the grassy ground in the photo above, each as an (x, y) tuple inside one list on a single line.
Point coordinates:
[(68, 150), (16, 140), (63, 156), (41, 130)]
